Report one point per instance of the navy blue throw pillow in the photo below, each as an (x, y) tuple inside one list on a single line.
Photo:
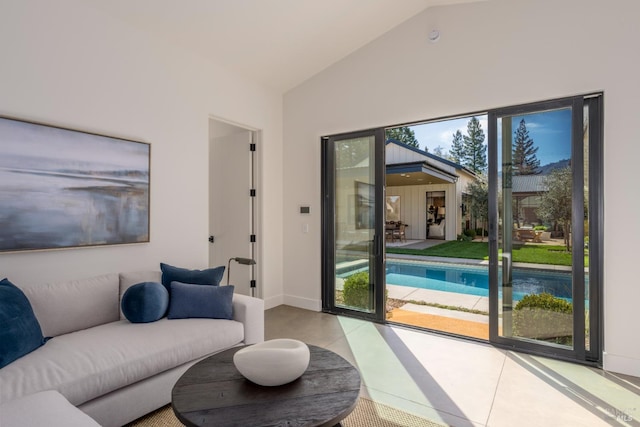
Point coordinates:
[(145, 302), (210, 276), (20, 332), (211, 302)]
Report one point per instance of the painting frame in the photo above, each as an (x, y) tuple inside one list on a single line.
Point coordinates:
[(64, 188), (393, 208)]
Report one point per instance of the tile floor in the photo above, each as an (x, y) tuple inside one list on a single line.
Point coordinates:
[(463, 383)]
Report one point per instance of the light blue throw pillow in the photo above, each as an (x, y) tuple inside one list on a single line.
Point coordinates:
[(145, 302), (211, 302), (20, 332)]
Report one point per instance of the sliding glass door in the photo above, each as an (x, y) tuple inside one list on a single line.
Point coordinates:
[(541, 196), (543, 293), (353, 224)]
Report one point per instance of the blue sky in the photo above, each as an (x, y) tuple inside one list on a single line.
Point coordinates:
[(550, 131)]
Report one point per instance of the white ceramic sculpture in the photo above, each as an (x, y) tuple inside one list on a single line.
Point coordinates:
[(273, 362)]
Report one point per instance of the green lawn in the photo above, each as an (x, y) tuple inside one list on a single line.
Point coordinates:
[(536, 254)]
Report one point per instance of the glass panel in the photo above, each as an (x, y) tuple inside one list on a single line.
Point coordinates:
[(355, 223), (585, 145), (535, 208)]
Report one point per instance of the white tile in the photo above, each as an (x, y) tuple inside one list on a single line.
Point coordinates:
[(527, 397), (617, 398), (451, 376), (418, 409), (464, 383)]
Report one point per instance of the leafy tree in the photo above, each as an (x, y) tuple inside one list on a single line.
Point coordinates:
[(475, 150), (525, 161), (555, 203), (479, 203), (456, 153), (403, 134), (351, 152)]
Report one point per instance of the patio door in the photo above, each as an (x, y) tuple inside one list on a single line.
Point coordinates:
[(546, 192), (353, 224)]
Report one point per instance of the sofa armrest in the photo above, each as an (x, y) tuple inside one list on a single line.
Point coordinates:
[(48, 408), (249, 311)]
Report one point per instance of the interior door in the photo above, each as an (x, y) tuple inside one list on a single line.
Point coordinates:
[(230, 219), (353, 224), (540, 195)]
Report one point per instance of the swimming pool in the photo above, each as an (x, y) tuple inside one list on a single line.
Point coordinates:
[(474, 280)]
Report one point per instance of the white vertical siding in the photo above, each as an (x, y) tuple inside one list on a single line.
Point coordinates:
[(397, 154), (413, 208)]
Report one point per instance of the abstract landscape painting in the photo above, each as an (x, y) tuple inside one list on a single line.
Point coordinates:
[(61, 188)]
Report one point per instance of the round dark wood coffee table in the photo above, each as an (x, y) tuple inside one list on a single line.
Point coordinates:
[(213, 393)]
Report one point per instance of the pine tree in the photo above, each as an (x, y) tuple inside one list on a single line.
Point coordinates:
[(403, 134), (475, 150), (456, 153), (439, 151), (525, 161)]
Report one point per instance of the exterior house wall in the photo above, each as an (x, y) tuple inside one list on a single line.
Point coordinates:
[(413, 208), (397, 154)]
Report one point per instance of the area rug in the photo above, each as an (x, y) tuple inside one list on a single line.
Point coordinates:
[(366, 414)]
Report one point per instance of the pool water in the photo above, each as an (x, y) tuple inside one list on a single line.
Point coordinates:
[(474, 280)]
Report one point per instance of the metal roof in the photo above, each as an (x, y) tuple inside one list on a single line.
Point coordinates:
[(528, 183)]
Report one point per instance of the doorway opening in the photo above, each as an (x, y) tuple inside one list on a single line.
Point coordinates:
[(429, 169), (233, 203), (436, 214)]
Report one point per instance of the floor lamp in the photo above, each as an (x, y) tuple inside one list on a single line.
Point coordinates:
[(239, 260)]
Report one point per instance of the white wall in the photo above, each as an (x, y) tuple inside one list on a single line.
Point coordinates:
[(66, 64), (490, 54)]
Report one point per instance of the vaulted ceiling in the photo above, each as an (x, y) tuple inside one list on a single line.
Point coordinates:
[(279, 43)]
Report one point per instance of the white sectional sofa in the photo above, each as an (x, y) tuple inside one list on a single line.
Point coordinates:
[(113, 370)]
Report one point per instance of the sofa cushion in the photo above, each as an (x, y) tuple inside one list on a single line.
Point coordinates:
[(145, 302), (213, 302), (46, 408), (63, 307), (210, 276), (86, 364), (20, 331)]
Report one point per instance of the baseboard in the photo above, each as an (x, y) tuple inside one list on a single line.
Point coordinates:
[(273, 302), (621, 364), (306, 303)]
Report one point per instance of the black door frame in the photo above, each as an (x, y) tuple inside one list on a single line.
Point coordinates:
[(578, 353), (328, 227)]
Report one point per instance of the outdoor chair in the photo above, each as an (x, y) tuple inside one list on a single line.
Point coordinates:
[(399, 232), (389, 231)]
